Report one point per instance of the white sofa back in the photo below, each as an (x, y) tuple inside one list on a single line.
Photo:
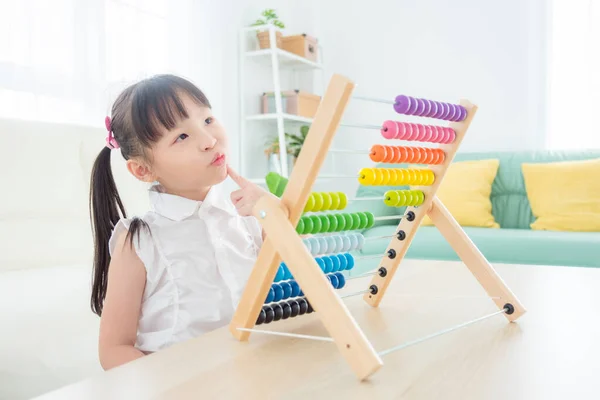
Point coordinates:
[(45, 169)]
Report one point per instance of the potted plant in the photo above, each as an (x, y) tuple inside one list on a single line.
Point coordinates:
[(269, 17), (293, 145), (295, 142)]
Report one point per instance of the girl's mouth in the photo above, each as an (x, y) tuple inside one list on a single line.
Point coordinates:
[(218, 160)]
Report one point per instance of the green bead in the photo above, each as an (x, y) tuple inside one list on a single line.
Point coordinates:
[(308, 225), (341, 222), (276, 183), (421, 198), (348, 220), (363, 220), (300, 226), (324, 223), (333, 223), (355, 220), (316, 224), (370, 219)]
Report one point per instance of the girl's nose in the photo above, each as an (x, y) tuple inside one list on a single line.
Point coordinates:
[(207, 142)]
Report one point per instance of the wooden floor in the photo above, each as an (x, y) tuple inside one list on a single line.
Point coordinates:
[(552, 352)]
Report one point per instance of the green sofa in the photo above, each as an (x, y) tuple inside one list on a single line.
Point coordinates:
[(514, 242)]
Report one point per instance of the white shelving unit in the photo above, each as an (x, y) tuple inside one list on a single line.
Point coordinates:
[(278, 60)]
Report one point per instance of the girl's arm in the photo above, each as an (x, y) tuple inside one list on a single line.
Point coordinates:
[(120, 314)]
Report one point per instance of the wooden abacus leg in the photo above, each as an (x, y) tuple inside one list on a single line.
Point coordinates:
[(332, 312), (474, 260)]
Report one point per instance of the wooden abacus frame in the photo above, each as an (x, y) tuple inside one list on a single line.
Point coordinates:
[(279, 218)]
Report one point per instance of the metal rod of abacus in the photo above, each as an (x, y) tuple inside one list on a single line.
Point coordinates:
[(444, 331), (380, 237), (362, 126), (355, 293), (388, 217), (374, 99), (349, 151), (294, 335)]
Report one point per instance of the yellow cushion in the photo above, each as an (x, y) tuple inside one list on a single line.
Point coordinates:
[(565, 195), (465, 191)]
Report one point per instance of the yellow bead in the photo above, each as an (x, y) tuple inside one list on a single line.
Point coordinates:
[(366, 176), (335, 200), (318, 201), (393, 176), (429, 178), (391, 198), (412, 176), (343, 201), (421, 197), (409, 198), (378, 176), (326, 201), (402, 198), (386, 176), (402, 177), (310, 203)]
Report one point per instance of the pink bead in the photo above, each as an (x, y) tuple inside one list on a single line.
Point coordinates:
[(415, 131), (402, 130), (422, 132), (451, 136), (389, 130), (437, 134), (428, 133)]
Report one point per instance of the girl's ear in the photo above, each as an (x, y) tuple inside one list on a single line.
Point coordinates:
[(140, 170)]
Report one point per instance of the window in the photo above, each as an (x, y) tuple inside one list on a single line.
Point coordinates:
[(574, 75), (66, 60)]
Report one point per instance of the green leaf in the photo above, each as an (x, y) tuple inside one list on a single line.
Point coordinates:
[(259, 22)]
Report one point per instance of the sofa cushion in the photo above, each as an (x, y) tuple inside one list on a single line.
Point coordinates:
[(510, 205), (465, 192), (513, 246), (564, 195)]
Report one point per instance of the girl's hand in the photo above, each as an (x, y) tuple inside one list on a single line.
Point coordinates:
[(246, 197)]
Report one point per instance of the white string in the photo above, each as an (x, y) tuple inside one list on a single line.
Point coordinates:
[(295, 335), (417, 341)]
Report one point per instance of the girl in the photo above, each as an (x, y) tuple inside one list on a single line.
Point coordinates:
[(178, 271)]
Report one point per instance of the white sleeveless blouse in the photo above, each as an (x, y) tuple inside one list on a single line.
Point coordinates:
[(198, 256)]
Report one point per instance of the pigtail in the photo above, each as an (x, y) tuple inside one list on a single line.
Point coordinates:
[(105, 204)]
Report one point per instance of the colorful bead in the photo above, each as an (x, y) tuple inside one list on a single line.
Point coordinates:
[(341, 280), (341, 222), (300, 226), (326, 201), (333, 280), (324, 223), (350, 260), (335, 201), (366, 176), (316, 224), (336, 263), (270, 295), (278, 292), (324, 245), (321, 263), (287, 289), (332, 223), (295, 288), (343, 262), (328, 264), (378, 153), (389, 130)]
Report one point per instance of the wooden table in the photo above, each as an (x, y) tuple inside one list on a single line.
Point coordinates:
[(552, 352)]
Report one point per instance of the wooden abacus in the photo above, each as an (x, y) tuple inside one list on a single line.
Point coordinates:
[(280, 219)]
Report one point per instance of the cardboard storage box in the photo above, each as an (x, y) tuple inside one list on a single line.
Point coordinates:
[(294, 102), (302, 45)]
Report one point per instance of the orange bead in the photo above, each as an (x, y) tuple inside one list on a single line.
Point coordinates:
[(410, 155), (403, 154), (378, 153), (396, 156), (435, 156), (430, 155), (424, 155), (442, 156), (389, 154)]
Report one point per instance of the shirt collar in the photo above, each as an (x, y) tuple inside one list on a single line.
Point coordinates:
[(178, 208)]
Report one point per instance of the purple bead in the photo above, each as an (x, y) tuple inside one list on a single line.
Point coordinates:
[(427, 111), (413, 106), (440, 110), (446, 111), (452, 113), (402, 104), (433, 110), (420, 107), (463, 113)]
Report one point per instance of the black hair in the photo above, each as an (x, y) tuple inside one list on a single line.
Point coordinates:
[(137, 116)]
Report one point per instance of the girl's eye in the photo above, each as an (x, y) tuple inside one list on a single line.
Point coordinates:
[(183, 136), (209, 120)]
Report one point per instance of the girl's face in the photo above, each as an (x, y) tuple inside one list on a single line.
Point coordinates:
[(192, 156)]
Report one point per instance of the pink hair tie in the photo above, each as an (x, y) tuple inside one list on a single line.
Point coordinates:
[(111, 142)]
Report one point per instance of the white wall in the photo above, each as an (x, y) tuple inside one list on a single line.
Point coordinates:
[(492, 53)]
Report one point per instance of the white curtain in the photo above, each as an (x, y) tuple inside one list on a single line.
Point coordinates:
[(574, 75), (66, 60)]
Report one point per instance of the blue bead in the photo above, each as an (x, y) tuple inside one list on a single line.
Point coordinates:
[(341, 280), (336, 262), (287, 290), (295, 288), (280, 273), (343, 262), (321, 263), (340, 241), (323, 245), (346, 243), (328, 264), (334, 281), (350, 259), (301, 293), (278, 291), (271, 295), (314, 246)]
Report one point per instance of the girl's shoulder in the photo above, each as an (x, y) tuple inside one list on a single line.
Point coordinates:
[(138, 230)]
